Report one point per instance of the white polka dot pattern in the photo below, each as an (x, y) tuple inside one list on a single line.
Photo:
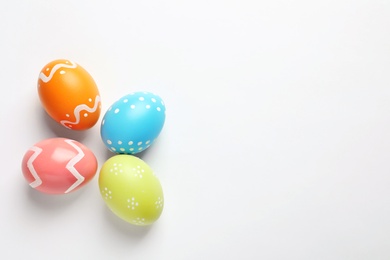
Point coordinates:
[(132, 124), (131, 190)]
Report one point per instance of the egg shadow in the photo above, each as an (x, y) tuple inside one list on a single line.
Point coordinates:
[(141, 155), (108, 154), (51, 202), (126, 229), (60, 131)]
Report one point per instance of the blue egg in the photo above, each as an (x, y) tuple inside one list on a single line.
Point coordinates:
[(133, 123)]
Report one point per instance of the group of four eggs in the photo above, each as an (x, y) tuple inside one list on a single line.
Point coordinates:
[(128, 186)]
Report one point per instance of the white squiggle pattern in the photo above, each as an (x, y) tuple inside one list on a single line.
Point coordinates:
[(70, 166), (30, 166), (77, 111), (46, 79)]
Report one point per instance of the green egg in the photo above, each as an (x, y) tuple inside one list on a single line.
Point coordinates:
[(131, 190)]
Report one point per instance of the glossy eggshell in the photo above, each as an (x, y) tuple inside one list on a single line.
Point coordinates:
[(133, 123), (131, 190), (58, 165), (69, 94)]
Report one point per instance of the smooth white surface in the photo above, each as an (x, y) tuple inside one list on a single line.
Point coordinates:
[(277, 138)]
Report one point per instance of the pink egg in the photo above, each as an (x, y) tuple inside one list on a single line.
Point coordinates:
[(58, 166)]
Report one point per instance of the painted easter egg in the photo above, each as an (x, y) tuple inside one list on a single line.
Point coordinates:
[(58, 165), (133, 123), (69, 94), (131, 190)]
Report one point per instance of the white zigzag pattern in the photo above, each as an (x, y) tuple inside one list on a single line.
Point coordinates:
[(30, 166), (80, 108), (46, 79), (70, 166)]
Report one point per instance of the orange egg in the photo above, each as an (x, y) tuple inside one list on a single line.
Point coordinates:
[(69, 94)]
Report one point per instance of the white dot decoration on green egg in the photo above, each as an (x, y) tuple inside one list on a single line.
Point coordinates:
[(131, 190), (133, 123)]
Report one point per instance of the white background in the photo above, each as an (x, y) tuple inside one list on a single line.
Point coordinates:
[(277, 137)]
